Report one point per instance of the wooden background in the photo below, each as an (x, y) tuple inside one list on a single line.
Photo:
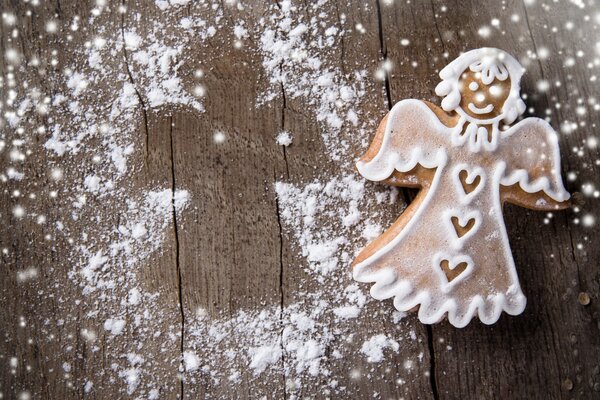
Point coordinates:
[(211, 260)]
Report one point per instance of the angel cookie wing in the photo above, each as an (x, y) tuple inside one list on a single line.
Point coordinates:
[(531, 159), (411, 135)]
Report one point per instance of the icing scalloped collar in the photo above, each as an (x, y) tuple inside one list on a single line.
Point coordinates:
[(475, 134)]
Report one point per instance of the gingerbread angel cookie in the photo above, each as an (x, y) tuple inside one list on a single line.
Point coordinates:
[(448, 253)]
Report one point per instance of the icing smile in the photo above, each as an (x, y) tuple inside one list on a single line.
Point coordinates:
[(476, 110)]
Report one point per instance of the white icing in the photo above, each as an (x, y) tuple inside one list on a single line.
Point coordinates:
[(408, 267), (484, 110), (474, 134), (491, 67)]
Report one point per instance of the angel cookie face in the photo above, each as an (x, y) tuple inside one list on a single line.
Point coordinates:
[(480, 100), (482, 86), (448, 254)]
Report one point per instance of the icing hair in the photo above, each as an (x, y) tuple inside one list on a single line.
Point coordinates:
[(492, 64)]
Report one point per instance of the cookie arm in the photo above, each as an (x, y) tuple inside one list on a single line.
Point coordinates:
[(538, 201), (532, 172)]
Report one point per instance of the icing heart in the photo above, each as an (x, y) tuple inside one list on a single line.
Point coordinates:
[(462, 229), (462, 224), (469, 181), (452, 271)]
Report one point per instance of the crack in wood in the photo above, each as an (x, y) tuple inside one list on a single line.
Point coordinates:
[(432, 372), (283, 109), (437, 28), (383, 51), (281, 299), (342, 45), (278, 210), (573, 255), (135, 88), (388, 91), (539, 62), (177, 252)]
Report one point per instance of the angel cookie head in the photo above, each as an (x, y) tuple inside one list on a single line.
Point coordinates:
[(483, 85), (448, 253)]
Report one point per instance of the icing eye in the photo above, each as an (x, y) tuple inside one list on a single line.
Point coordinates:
[(496, 90), (473, 86)]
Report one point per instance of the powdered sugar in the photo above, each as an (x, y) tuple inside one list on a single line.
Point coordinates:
[(284, 138), (114, 326), (314, 213), (191, 361), (374, 347), (262, 357)]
